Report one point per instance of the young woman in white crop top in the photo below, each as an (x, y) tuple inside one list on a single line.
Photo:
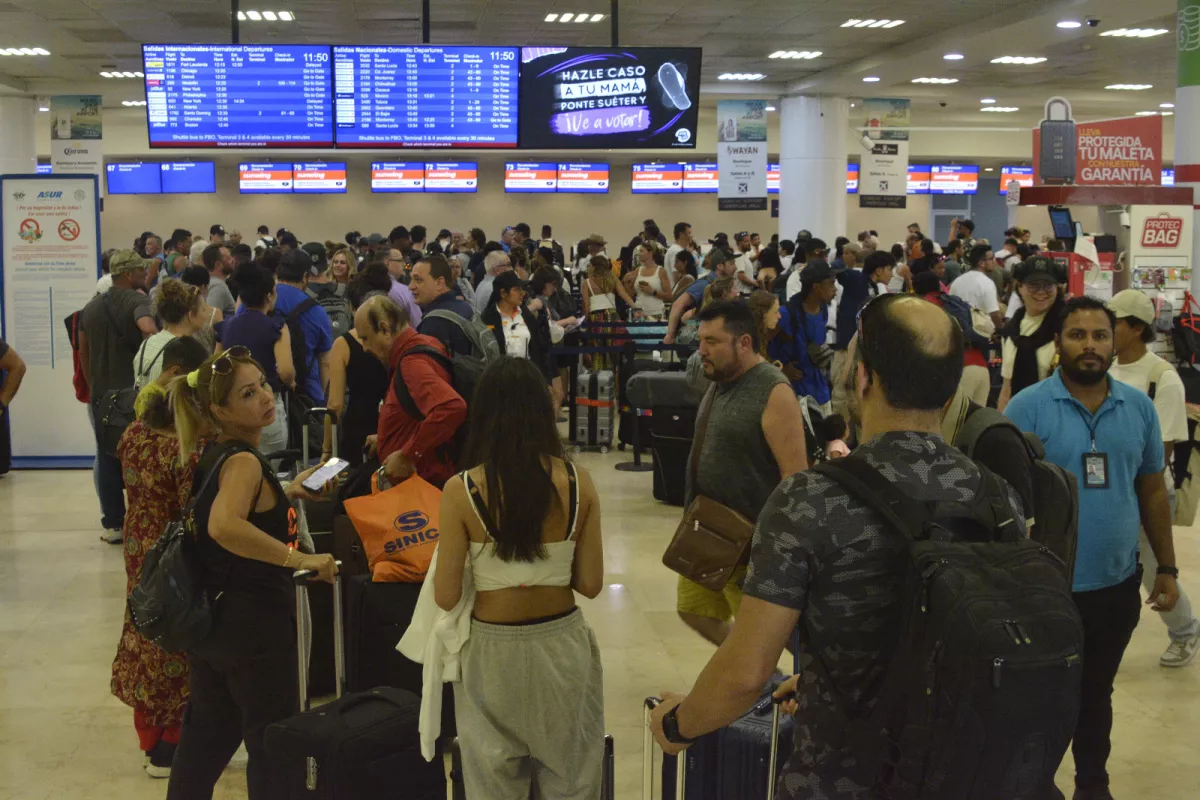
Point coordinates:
[(529, 704), (651, 283)]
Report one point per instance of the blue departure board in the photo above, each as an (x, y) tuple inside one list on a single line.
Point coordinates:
[(238, 95), (133, 178), (188, 177), (425, 96)]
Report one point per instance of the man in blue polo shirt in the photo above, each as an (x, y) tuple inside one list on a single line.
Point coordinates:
[(1107, 433), (292, 276), (724, 265)]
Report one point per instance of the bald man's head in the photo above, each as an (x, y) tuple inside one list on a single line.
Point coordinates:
[(915, 348)]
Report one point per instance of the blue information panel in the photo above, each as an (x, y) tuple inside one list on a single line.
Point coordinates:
[(238, 95), (426, 96), (189, 177), (133, 179)]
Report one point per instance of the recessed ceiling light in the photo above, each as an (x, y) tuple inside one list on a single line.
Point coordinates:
[(133, 103), (741, 76), (105, 74), (870, 79), (805, 54), (551, 18), (269, 16), (1147, 114), (1136, 33), (129, 74), (254, 15), (581, 17), (988, 169), (1000, 109), (597, 17), (43, 108), (1070, 23), (28, 51), (1129, 87), (40, 51), (1167, 114), (987, 100), (1166, 105), (566, 17), (241, 16), (286, 16), (872, 23), (935, 80), (1018, 60), (770, 108), (139, 74), (953, 57)]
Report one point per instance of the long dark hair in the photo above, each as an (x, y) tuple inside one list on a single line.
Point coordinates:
[(513, 437)]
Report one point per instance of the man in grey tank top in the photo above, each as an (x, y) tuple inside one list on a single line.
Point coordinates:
[(755, 438)]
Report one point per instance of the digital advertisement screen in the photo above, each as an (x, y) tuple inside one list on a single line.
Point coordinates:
[(425, 96), (319, 178), (583, 178), (609, 97), (43, 169), (188, 177), (1168, 176), (265, 178), (462, 176), (231, 95), (657, 178), (700, 178), (133, 179), (529, 177), (397, 176), (1022, 175), (918, 179), (772, 179), (953, 179), (852, 179)]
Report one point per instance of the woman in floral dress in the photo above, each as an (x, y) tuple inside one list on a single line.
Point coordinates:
[(152, 682)]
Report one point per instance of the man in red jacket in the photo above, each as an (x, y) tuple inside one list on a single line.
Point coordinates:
[(409, 443)]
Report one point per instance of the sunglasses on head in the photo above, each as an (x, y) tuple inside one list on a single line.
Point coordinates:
[(224, 363)]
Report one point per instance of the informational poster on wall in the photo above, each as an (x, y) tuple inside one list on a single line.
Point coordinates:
[(1108, 152), (742, 155), (76, 134), (50, 243), (883, 171)]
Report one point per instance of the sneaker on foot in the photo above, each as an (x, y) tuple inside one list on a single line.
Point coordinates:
[(1180, 654), (113, 536), (161, 758)]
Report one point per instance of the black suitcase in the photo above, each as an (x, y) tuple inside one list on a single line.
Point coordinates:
[(672, 430), (361, 746)]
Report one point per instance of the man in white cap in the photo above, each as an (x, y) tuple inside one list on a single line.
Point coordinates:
[(1147, 372)]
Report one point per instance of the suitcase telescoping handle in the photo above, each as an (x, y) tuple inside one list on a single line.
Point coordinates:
[(318, 414), (301, 579)]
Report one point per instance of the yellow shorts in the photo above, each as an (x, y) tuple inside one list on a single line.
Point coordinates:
[(692, 598)]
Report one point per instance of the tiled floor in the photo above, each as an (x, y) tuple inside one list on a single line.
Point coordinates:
[(63, 736)]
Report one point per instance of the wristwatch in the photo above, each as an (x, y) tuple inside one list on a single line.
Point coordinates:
[(670, 725), (1165, 570)]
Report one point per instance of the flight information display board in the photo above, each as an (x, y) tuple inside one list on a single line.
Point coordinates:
[(133, 179), (530, 177), (852, 179), (772, 179), (319, 178), (188, 177), (265, 178), (583, 178), (700, 178), (238, 95), (397, 176), (460, 176), (1022, 175), (425, 96), (953, 179), (657, 178), (918, 179)]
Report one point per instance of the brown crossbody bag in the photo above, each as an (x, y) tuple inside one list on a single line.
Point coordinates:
[(711, 538)]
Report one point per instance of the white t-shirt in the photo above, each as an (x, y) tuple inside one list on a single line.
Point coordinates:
[(882, 288), (978, 290), (786, 261), (794, 285), (1008, 351), (149, 358), (1015, 304), (516, 335), (1168, 395), (669, 259), (747, 268)]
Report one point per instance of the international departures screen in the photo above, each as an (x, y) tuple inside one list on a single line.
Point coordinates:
[(238, 95), (426, 96)]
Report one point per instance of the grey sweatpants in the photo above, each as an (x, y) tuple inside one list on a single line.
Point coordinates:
[(530, 711)]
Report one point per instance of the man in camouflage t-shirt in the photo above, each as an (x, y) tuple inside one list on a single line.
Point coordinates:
[(822, 559)]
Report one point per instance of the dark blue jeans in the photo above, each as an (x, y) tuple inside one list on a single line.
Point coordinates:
[(110, 482)]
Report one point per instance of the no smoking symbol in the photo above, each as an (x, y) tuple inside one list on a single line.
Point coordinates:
[(68, 229)]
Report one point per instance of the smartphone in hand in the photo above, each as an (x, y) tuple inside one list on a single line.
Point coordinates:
[(330, 470)]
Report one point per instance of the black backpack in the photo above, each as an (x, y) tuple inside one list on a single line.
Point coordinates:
[(1055, 490), (960, 310), (981, 695), (463, 377)]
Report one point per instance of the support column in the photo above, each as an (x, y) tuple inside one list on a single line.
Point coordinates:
[(812, 166), (1187, 118), (17, 131)]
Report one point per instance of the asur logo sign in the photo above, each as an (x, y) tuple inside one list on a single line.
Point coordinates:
[(1162, 231)]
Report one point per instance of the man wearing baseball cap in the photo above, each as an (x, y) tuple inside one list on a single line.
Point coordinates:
[(111, 331), (216, 234), (724, 265), (1147, 372)]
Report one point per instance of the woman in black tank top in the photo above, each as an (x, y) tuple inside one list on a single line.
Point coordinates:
[(243, 675), (357, 385)]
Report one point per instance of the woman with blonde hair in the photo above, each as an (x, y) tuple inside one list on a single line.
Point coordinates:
[(243, 674), (339, 264), (180, 307)]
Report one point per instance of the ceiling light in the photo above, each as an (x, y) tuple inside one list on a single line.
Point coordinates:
[(879, 23), (254, 15), (741, 76), (1147, 114), (1136, 33), (870, 79), (43, 108), (988, 169), (551, 18), (1070, 23), (566, 17), (139, 74), (953, 57), (1000, 109), (269, 16), (286, 16), (935, 80), (597, 17), (129, 74), (1166, 105), (805, 54), (894, 23), (1129, 87), (1167, 114), (40, 51), (241, 16), (770, 108), (1018, 60), (133, 102), (105, 74), (28, 51), (987, 100)]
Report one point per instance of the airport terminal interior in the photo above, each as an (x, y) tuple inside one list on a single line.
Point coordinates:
[(975, 77)]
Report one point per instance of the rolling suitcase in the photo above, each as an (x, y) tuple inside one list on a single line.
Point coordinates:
[(318, 517), (672, 429), (597, 399), (361, 746)]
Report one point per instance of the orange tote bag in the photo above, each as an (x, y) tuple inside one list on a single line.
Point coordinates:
[(399, 529)]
